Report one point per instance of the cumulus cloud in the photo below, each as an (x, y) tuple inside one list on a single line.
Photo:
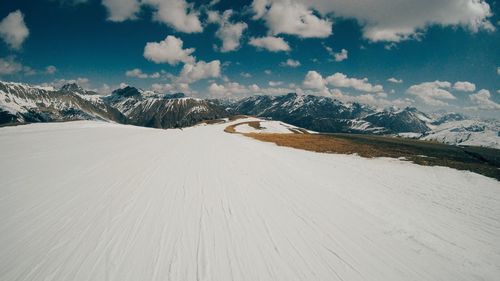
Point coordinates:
[(137, 73), (407, 18), (13, 30), (498, 70), (464, 86), (341, 56), (432, 93), (171, 88), (168, 51), (246, 74), (121, 10), (395, 80), (482, 100), (235, 89), (229, 33), (291, 63), (9, 66), (341, 80), (275, 83), (178, 14), (50, 69), (291, 17), (231, 89), (192, 72), (314, 80), (273, 44)]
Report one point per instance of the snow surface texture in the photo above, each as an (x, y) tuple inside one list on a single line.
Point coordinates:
[(272, 127), (97, 201)]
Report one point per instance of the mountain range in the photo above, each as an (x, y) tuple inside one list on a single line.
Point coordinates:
[(22, 103)]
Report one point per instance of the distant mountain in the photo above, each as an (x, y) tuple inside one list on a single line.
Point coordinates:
[(21, 103), (395, 121), (466, 132), (149, 109), (324, 114)]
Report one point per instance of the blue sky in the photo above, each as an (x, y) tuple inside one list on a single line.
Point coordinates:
[(416, 42)]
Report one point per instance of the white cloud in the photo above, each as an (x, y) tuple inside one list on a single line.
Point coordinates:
[(341, 56), (9, 66), (229, 33), (234, 89), (121, 10), (395, 80), (231, 89), (406, 19), (13, 30), (498, 70), (168, 51), (292, 17), (275, 83), (291, 63), (268, 72), (50, 69), (273, 44), (341, 80), (137, 73), (314, 80), (192, 72), (176, 13), (432, 93), (464, 86), (482, 100), (171, 88), (246, 74)]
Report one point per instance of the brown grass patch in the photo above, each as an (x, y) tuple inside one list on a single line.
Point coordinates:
[(232, 128), (485, 161), (318, 143)]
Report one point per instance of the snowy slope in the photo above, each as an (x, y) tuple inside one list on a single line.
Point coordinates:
[(268, 127), (97, 201), (467, 132)]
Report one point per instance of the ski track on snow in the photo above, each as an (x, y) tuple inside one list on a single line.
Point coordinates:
[(97, 201)]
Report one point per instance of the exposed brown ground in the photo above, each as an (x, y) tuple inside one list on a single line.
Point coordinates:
[(232, 128), (319, 143), (476, 159)]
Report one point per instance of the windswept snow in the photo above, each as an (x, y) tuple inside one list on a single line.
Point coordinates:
[(97, 201), (266, 126)]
